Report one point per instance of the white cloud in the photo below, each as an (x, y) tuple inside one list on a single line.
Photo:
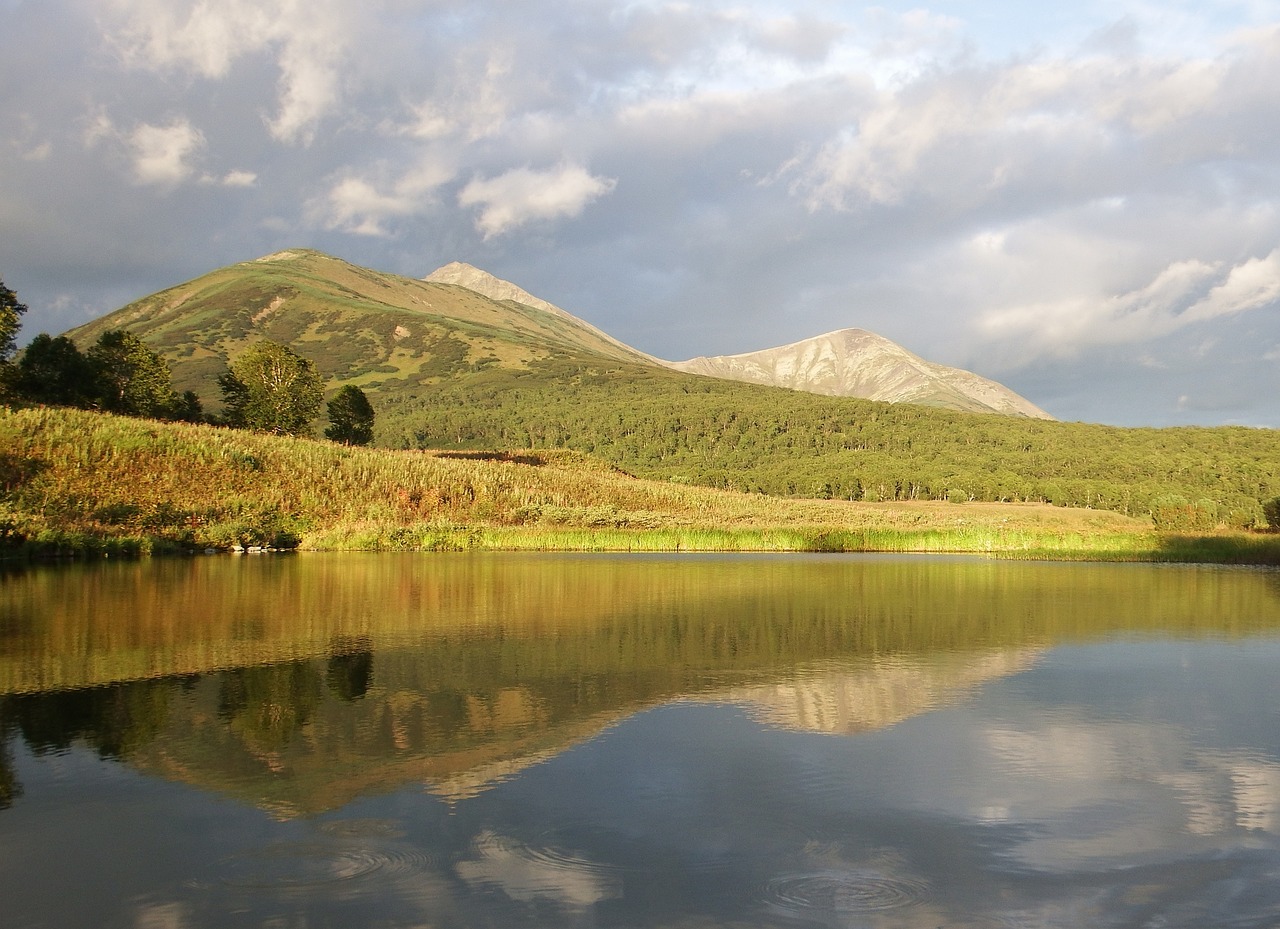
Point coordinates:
[(364, 206), (355, 205), (523, 195), (40, 151), (983, 184), (310, 40), (310, 63), (967, 132), (1183, 294), (239, 179), (26, 138), (197, 35), (1248, 286), (162, 154)]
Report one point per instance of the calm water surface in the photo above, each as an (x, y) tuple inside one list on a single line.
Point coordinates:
[(738, 741)]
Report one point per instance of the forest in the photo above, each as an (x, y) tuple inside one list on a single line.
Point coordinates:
[(774, 441)]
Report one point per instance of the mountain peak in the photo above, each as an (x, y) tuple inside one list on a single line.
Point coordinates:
[(858, 363), (495, 288), (482, 282)]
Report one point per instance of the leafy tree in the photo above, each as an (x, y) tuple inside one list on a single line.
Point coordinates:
[(1271, 510), (10, 310), (273, 389), (53, 371), (350, 417), (129, 378)]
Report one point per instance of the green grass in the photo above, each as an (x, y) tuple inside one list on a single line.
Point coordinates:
[(78, 483), (447, 368)]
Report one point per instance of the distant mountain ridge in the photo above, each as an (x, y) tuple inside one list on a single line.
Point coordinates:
[(844, 363), (394, 334), (857, 363)]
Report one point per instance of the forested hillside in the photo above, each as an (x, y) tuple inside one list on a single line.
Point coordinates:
[(446, 367), (777, 441)]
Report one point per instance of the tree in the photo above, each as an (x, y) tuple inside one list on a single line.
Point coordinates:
[(350, 417), (53, 371), (187, 408), (1271, 510), (10, 310), (129, 378), (271, 388)]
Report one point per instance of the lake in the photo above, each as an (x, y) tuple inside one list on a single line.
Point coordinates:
[(493, 740)]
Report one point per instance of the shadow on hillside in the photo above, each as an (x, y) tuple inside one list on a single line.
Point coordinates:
[(513, 457), (17, 470)]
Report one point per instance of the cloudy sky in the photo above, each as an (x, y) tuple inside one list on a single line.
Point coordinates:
[(1080, 200)]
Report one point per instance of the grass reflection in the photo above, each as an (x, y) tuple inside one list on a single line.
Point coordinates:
[(299, 683)]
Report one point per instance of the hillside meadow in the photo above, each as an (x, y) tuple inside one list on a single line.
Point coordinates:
[(447, 368), (771, 440), (74, 482)]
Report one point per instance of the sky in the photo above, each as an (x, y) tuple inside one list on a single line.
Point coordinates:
[(1081, 201)]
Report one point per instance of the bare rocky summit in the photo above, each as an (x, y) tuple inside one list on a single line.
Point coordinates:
[(495, 288), (482, 282), (857, 363), (845, 363)]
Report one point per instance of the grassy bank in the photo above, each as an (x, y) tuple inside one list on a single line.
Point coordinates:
[(83, 483)]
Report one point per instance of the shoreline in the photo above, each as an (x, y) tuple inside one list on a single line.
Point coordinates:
[(1243, 549)]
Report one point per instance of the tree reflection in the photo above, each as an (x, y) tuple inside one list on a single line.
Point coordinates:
[(113, 720), (10, 789), (266, 706), (350, 669)]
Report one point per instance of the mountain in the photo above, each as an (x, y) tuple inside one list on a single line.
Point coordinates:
[(845, 363), (396, 334), (482, 282), (856, 363), (358, 325)]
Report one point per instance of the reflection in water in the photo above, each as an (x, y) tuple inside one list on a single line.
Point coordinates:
[(350, 669), (879, 693), (502, 740), (526, 874)]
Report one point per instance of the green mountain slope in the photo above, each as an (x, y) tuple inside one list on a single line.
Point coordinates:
[(358, 325), (448, 367)]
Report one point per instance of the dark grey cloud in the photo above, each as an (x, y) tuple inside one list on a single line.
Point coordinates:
[(1082, 205)]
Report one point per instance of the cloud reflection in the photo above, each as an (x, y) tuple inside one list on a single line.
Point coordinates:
[(528, 874)]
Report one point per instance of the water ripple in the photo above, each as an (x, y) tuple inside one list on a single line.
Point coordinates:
[(557, 850), (837, 892), (310, 865), (362, 829)]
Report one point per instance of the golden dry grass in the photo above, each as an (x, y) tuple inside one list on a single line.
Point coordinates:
[(75, 480)]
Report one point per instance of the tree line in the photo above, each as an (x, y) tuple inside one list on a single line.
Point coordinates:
[(789, 443), (269, 388)]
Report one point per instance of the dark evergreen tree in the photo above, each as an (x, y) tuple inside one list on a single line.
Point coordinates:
[(187, 408), (350, 417)]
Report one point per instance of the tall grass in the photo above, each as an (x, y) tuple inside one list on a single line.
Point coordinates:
[(73, 482)]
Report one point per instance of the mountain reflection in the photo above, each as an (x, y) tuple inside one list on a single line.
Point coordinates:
[(300, 684), (849, 701)]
